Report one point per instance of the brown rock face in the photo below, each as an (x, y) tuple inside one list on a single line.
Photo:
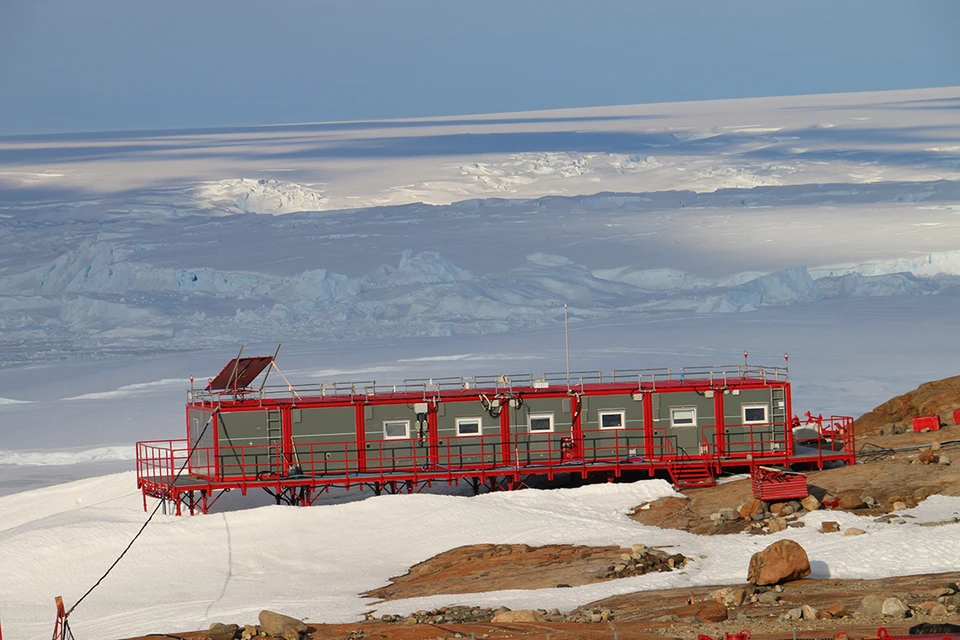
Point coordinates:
[(782, 561), (931, 398)]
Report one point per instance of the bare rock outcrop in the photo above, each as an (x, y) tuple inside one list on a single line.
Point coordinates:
[(938, 397)]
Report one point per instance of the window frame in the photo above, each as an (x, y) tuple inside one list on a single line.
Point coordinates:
[(540, 416), (479, 422), (673, 420), (612, 412), (406, 425), (755, 405)]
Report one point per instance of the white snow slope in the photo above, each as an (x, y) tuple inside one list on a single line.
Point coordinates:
[(186, 573), (679, 235)]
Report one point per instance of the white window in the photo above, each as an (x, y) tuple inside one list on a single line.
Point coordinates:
[(540, 422), (396, 429), (683, 417), (469, 426), (612, 419), (755, 413)]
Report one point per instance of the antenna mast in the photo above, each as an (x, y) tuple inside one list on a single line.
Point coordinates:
[(566, 342)]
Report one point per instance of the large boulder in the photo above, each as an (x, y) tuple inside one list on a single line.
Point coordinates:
[(521, 615), (281, 626), (783, 561)]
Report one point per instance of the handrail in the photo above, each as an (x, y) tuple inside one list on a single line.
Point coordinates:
[(713, 374), (467, 455)]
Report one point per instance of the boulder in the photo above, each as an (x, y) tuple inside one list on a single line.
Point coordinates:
[(729, 514), (871, 606), (777, 524), (783, 561), (950, 588), (828, 526), (220, 631), (730, 596), (837, 611), (810, 503), (853, 531), (899, 505), (944, 459), (777, 507), (850, 501), (792, 614), (521, 615), (750, 508), (894, 607), (927, 457), (808, 612), (281, 626)]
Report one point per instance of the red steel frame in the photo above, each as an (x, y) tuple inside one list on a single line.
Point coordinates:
[(367, 463)]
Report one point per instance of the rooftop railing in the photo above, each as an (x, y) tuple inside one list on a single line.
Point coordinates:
[(719, 376)]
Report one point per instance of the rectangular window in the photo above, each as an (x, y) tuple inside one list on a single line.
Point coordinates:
[(468, 426), (755, 413), (683, 417), (612, 419), (396, 429), (540, 423)]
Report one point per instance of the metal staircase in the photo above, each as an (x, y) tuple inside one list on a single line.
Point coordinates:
[(691, 474)]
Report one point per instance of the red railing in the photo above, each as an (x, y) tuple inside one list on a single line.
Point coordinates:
[(159, 461)]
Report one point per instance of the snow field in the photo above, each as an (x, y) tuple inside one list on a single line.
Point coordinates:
[(188, 572)]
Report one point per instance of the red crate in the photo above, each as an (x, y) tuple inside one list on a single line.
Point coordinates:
[(926, 422), (956, 416), (774, 485)]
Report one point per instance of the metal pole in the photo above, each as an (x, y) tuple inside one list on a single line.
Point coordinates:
[(566, 343), (267, 374)]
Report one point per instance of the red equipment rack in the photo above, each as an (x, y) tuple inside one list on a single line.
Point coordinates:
[(777, 485), (297, 442)]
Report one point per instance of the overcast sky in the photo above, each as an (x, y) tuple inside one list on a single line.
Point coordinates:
[(70, 65)]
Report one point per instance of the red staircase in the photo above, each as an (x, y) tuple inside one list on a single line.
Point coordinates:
[(695, 473)]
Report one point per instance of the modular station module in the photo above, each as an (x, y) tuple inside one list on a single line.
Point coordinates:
[(492, 432)]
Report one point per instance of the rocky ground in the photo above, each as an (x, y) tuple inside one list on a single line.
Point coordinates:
[(898, 469)]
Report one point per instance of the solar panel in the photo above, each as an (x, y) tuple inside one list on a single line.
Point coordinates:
[(239, 373)]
